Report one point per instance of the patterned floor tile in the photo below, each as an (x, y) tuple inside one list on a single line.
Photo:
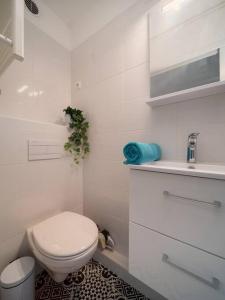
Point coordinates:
[(91, 282)]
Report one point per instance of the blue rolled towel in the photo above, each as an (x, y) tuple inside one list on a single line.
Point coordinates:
[(138, 153)]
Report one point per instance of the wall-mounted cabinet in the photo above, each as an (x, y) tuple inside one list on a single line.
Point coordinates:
[(11, 32), (187, 50)]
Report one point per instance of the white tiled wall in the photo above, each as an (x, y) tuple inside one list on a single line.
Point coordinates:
[(46, 73), (113, 68), (32, 191)]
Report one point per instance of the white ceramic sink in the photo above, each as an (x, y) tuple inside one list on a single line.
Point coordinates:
[(175, 167)]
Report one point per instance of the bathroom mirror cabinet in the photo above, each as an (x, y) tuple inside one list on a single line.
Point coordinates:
[(187, 50)]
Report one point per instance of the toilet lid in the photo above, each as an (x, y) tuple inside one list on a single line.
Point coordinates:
[(65, 235)]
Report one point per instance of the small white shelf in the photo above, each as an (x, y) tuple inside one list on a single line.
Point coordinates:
[(193, 93)]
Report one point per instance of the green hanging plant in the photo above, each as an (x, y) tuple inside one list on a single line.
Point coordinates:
[(77, 144)]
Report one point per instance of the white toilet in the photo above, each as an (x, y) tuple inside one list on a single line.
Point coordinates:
[(63, 243)]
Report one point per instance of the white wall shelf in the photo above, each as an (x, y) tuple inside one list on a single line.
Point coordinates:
[(193, 93)]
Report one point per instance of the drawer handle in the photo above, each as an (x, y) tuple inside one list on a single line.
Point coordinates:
[(214, 203), (214, 283)]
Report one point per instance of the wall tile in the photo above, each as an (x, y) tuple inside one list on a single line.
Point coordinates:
[(110, 143), (163, 130), (46, 73), (108, 51), (136, 115), (136, 82), (106, 104), (83, 66), (136, 43), (101, 202)]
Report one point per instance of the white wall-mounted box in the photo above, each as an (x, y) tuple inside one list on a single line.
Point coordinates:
[(11, 32)]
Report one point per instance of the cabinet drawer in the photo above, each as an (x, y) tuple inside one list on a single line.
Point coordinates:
[(173, 269), (190, 209)]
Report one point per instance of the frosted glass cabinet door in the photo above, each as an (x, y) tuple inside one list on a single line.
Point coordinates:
[(11, 32)]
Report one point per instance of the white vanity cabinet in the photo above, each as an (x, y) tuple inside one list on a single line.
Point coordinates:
[(177, 234)]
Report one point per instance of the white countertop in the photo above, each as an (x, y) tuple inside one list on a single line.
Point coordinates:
[(181, 168)]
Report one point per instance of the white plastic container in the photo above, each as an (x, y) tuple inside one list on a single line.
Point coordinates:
[(17, 280)]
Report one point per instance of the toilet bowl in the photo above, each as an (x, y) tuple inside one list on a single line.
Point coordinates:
[(63, 243)]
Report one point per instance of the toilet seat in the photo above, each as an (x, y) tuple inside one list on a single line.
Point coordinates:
[(65, 236)]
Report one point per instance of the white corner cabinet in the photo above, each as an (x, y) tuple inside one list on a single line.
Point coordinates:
[(186, 50), (11, 32), (176, 234)]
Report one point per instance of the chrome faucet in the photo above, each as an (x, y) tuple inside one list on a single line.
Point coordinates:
[(192, 148)]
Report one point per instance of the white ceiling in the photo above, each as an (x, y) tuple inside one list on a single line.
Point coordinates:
[(86, 17)]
